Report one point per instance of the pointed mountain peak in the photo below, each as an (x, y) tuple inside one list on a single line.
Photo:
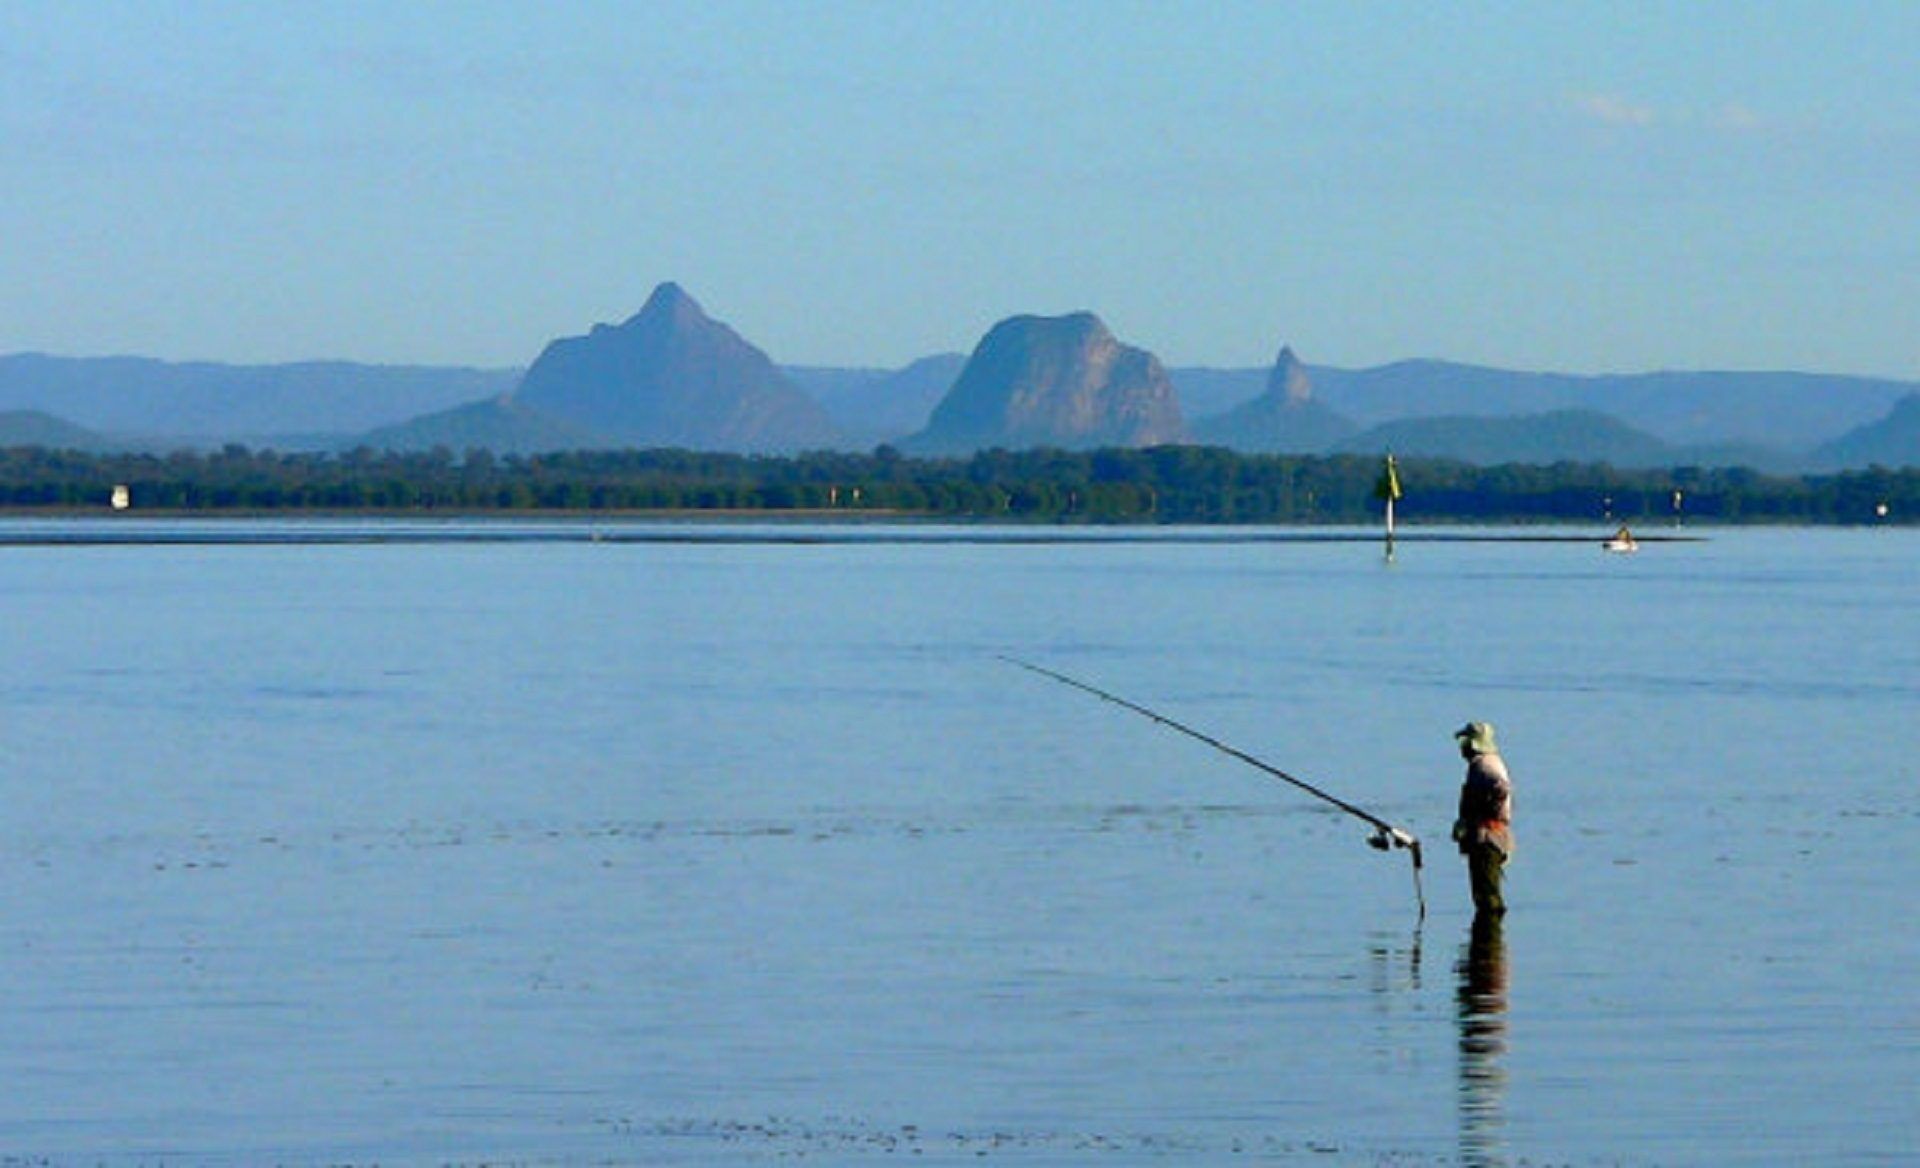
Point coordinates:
[(1289, 379), (673, 376), (670, 302)]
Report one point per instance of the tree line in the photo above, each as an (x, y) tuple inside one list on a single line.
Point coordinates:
[(1167, 484)]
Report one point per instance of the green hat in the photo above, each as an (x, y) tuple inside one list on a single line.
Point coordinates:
[(1477, 737)]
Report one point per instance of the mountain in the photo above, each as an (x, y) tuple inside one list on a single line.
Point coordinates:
[(873, 406), (1556, 436), (1785, 410), (1893, 441), (1060, 381), (207, 403), (1206, 391), (1286, 419), (672, 376), (499, 425), (692, 381), (37, 428)]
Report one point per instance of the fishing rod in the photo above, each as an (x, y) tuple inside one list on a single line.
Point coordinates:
[(1385, 835)]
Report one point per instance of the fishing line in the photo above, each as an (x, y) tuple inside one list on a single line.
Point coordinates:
[(1385, 835)]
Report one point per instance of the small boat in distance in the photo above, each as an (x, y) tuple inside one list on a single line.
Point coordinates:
[(1622, 542)]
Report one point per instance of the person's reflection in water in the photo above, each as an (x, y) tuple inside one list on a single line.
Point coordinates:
[(1482, 998)]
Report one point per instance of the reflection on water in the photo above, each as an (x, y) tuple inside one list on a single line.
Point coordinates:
[(1482, 1000), (1390, 980)]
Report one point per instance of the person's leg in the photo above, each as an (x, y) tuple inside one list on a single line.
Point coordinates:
[(1484, 868)]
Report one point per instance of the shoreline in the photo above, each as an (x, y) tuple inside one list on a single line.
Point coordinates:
[(187, 528)]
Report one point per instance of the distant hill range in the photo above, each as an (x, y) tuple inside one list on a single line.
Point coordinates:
[(672, 376), (162, 404), (1555, 436), (500, 424), (35, 428), (875, 406), (1892, 441)]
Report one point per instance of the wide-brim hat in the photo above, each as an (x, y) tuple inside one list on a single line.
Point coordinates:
[(1477, 737)]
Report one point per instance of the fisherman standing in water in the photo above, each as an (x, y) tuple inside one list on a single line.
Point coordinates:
[(1484, 828)]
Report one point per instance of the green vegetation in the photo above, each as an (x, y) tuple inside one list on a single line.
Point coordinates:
[(1168, 484)]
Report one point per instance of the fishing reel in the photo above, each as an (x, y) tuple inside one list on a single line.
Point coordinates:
[(1386, 838)]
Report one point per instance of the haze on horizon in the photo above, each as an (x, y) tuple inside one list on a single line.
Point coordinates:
[(1577, 187)]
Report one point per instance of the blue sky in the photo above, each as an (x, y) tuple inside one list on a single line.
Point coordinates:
[(1608, 187)]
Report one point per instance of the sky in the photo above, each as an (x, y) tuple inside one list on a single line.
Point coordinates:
[(1576, 187)]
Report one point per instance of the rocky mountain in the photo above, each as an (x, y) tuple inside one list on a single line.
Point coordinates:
[(1062, 381), (1893, 441), (1286, 419), (672, 376)]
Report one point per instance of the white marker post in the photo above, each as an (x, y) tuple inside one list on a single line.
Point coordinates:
[(1387, 490)]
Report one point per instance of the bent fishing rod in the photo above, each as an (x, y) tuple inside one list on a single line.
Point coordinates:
[(1385, 835)]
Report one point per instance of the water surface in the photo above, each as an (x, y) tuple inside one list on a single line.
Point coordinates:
[(652, 850)]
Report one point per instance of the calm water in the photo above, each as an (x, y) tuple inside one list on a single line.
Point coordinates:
[(710, 851)]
